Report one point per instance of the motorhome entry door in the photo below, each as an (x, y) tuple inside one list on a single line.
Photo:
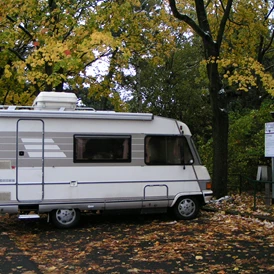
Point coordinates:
[(30, 160)]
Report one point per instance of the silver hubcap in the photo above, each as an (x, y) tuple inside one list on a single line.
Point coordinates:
[(65, 216), (186, 207)]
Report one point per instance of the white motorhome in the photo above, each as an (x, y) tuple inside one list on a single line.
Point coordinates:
[(60, 160)]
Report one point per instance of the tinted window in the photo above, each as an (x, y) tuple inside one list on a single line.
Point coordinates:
[(167, 150), (102, 148)]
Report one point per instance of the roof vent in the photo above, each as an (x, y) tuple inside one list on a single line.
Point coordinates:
[(55, 101)]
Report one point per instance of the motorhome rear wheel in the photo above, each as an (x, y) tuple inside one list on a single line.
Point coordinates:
[(65, 218)]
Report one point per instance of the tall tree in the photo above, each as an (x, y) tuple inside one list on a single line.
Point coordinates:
[(174, 88), (213, 22), (52, 43), (147, 34)]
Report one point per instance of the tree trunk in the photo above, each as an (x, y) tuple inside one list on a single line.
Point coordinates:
[(217, 94), (220, 148), (138, 87), (219, 125)]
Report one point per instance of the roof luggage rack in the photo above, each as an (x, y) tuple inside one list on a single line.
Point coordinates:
[(64, 105)]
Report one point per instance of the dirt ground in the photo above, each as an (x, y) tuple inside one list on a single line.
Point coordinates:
[(213, 243)]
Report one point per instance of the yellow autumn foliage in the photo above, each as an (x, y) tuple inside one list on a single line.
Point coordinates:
[(247, 29), (45, 46), (53, 42)]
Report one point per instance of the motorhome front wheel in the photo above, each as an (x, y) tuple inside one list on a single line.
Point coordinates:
[(186, 208), (65, 218)]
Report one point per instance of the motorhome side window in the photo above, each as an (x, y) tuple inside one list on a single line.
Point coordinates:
[(91, 148), (167, 150)]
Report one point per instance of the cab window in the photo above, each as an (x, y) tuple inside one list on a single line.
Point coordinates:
[(167, 150)]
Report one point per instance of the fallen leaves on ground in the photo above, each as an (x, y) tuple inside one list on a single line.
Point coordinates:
[(216, 242), (244, 204)]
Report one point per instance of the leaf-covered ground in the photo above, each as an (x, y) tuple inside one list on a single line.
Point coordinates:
[(244, 204), (216, 242)]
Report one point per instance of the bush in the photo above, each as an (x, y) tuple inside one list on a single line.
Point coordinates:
[(245, 144)]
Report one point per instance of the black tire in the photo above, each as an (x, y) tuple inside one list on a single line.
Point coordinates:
[(186, 208), (65, 217)]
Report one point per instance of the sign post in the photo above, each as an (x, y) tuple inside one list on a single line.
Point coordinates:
[(269, 148)]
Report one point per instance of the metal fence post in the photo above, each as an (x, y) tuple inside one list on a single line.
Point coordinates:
[(254, 197)]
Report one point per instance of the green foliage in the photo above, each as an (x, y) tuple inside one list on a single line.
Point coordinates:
[(174, 89), (205, 149), (48, 45), (99, 102), (246, 140)]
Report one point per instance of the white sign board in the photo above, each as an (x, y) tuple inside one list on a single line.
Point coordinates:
[(269, 139)]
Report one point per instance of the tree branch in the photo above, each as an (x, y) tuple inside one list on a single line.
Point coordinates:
[(187, 20), (267, 16), (99, 57), (270, 42), (223, 23), (20, 27), (17, 54), (269, 68), (262, 51)]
